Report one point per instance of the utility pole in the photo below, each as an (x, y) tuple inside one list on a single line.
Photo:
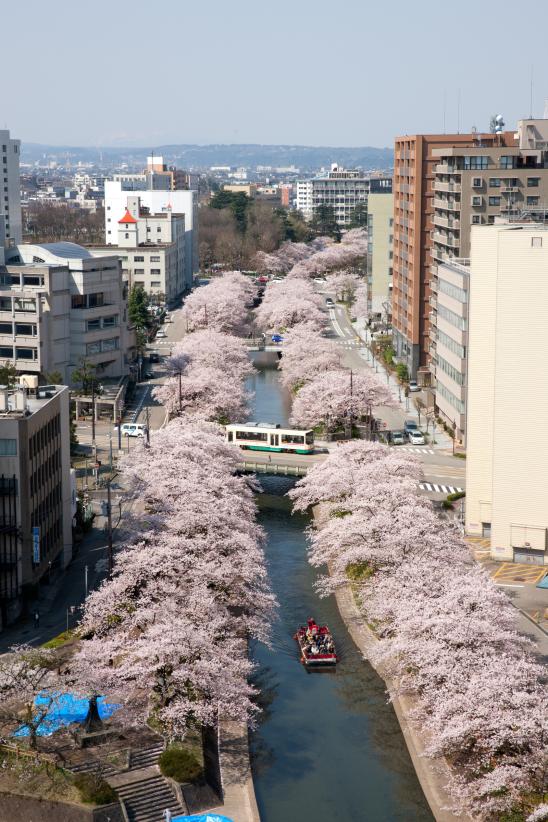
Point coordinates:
[(93, 412), (119, 433), (147, 417), (109, 530), (180, 393), (110, 451)]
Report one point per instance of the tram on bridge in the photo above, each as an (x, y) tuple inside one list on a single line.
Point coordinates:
[(264, 436)]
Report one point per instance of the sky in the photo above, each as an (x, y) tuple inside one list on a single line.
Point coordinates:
[(306, 72)]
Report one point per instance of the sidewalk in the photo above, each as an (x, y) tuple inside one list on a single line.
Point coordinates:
[(66, 591), (443, 440)]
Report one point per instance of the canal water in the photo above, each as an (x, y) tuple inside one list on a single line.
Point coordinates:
[(327, 746)]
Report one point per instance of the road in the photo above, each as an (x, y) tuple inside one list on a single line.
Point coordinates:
[(441, 469)]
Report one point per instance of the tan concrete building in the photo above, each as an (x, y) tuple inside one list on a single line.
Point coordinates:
[(35, 491), (415, 161), (507, 447), (380, 220)]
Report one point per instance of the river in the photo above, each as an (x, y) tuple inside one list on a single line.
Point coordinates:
[(328, 746)]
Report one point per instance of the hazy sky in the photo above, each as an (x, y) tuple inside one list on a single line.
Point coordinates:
[(345, 73)]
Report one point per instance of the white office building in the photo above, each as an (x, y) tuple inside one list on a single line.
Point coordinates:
[(507, 447), (341, 189), (151, 249), (118, 200), (11, 230)]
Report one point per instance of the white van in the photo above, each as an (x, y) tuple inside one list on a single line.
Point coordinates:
[(133, 429)]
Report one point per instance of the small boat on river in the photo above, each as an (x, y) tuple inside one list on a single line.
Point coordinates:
[(316, 645)]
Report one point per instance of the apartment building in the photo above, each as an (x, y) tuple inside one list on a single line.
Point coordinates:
[(152, 250), (59, 305), (341, 189), (507, 451), (449, 338), (119, 198), (380, 230), (35, 491), (10, 191), (415, 163)]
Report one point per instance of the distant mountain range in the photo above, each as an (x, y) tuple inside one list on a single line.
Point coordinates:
[(305, 158)]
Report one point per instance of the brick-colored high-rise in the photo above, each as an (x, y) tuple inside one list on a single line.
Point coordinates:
[(414, 171)]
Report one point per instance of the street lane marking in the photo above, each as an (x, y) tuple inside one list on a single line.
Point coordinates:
[(507, 585), (520, 572), (439, 489)]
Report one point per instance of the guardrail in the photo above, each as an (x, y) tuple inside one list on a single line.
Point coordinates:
[(272, 468)]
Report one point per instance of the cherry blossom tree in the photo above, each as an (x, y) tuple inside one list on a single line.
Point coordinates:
[(335, 398), (360, 306), (289, 303), (447, 635), (209, 369), (222, 305), (305, 355), (167, 632), (344, 284)]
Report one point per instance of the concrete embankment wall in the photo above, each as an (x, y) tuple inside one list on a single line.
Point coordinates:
[(14, 807)]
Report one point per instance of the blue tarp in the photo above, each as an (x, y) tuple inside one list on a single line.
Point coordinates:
[(543, 582), (64, 710), (208, 817)]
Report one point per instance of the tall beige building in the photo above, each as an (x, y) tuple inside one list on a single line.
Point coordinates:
[(380, 235), (507, 446)]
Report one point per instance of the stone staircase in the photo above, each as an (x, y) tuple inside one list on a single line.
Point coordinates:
[(147, 796), (144, 757)]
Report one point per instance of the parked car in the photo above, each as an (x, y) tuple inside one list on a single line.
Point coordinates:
[(161, 333), (319, 280), (416, 438), (133, 429), (410, 425), (154, 357), (277, 338), (413, 385), (329, 302), (398, 438)]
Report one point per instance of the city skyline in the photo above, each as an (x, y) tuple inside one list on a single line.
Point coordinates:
[(202, 89)]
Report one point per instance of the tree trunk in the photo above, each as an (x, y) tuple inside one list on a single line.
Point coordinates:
[(93, 721)]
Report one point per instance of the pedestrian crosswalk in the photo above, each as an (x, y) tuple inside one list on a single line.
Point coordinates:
[(439, 489), (416, 450), (349, 344)]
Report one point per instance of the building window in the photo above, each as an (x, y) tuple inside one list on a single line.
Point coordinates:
[(450, 370), (494, 201), (26, 353), (93, 325), (109, 345), (5, 352), (533, 182), (155, 259), (8, 448), (155, 272), (155, 283), (159, 229), (455, 401), (32, 280), (22, 304), (477, 182), (6, 328), (95, 300), (532, 201), (536, 242), (139, 271), (476, 219), (451, 290), (93, 348), (139, 259), (476, 162), (508, 162), (451, 344), (26, 329), (110, 322), (476, 201), (451, 317)]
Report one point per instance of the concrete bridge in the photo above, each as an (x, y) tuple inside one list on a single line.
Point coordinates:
[(261, 344), (286, 465)]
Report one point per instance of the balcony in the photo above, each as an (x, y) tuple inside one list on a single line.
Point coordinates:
[(433, 300), (447, 187), (446, 222), (509, 189), (445, 168), (444, 239)]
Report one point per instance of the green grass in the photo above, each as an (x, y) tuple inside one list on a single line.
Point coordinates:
[(180, 764), (60, 639), (359, 571)]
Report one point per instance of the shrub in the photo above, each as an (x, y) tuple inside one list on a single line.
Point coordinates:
[(402, 373), (94, 789), (446, 505), (179, 765), (457, 495), (359, 571)]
